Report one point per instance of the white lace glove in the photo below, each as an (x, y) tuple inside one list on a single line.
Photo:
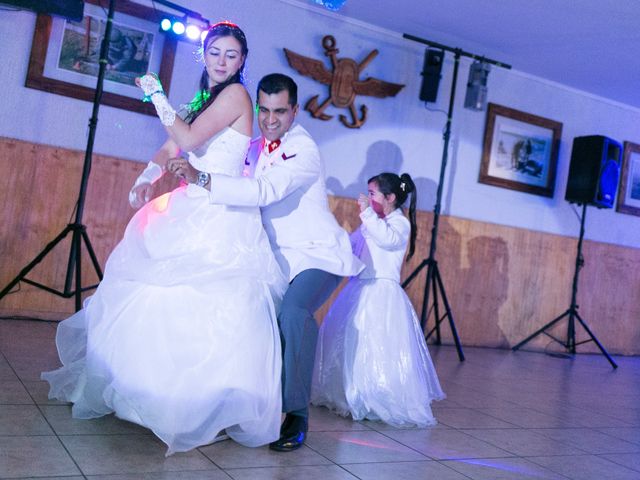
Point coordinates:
[(152, 88), (149, 176)]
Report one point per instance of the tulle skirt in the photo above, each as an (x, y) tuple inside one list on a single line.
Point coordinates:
[(372, 361), (181, 335)]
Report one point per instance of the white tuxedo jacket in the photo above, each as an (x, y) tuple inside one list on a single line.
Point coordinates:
[(288, 185)]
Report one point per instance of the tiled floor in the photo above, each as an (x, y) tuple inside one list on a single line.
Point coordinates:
[(507, 416)]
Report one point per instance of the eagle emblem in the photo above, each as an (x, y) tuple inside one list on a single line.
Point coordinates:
[(343, 81)]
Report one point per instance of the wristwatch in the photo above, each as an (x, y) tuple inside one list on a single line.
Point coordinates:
[(203, 179)]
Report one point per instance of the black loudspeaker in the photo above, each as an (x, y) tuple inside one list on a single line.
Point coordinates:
[(594, 171), (69, 9), (431, 75)]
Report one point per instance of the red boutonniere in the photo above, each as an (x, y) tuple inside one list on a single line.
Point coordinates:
[(273, 145)]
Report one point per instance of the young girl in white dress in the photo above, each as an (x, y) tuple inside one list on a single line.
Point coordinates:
[(372, 361), (181, 335)]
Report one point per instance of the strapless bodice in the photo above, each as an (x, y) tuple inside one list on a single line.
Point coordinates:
[(224, 153)]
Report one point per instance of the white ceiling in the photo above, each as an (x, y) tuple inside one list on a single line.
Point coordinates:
[(590, 45)]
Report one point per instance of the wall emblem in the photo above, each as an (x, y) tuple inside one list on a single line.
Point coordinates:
[(343, 81)]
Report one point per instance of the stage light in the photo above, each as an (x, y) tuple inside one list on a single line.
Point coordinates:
[(476, 97), (193, 32), (178, 27), (165, 25), (186, 28)]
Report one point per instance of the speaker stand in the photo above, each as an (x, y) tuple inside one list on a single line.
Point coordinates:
[(77, 230), (572, 313)]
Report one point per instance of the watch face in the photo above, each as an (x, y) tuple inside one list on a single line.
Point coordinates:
[(203, 179)]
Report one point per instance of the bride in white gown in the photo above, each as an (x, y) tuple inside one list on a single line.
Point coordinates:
[(181, 335)]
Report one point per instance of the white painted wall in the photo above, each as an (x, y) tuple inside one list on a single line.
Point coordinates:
[(400, 134)]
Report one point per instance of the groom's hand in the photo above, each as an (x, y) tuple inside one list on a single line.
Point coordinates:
[(181, 168)]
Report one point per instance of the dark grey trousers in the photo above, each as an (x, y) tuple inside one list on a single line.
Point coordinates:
[(299, 333)]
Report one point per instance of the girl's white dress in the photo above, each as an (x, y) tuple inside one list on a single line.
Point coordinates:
[(372, 361), (181, 335)]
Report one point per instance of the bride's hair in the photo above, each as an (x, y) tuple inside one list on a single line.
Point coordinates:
[(205, 95)]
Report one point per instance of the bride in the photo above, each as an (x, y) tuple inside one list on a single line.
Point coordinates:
[(181, 335)]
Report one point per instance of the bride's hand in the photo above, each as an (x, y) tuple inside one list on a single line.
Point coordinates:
[(140, 195), (149, 83)]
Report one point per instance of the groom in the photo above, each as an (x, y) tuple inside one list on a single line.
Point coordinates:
[(288, 183)]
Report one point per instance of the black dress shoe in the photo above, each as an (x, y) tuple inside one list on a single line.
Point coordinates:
[(293, 433)]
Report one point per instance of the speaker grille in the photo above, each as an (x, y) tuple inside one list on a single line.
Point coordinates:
[(594, 171)]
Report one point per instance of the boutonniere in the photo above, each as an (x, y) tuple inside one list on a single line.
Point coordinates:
[(285, 158)]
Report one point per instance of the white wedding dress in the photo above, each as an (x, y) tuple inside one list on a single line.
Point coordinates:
[(181, 335), (372, 361)]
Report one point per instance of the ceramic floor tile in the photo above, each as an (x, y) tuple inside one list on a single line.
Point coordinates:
[(55, 478), (526, 418), (631, 416), (523, 442), (35, 456), (229, 454), (107, 454), (323, 420), (59, 417), (22, 420), (589, 440), (470, 418), (187, 475), (576, 416), (360, 447), (328, 472), (629, 460), (383, 427), (39, 391), (428, 470), (30, 368), (508, 416), (13, 392), (6, 372), (630, 434), (447, 444), (586, 467), (502, 469)]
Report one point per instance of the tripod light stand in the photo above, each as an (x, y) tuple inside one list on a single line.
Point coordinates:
[(77, 230), (572, 313), (433, 282)]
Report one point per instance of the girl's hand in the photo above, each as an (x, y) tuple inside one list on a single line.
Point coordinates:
[(363, 202)]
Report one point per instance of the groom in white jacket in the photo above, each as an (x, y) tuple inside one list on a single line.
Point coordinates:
[(312, 249)]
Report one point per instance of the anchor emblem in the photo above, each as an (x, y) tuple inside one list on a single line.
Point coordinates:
[(343, 81)]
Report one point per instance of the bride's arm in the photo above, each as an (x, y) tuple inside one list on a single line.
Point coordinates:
[(169, 149), (140, 193), (232, 105)]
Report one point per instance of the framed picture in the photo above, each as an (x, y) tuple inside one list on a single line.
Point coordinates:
[(629, 193), (65, 54), (520, 151)]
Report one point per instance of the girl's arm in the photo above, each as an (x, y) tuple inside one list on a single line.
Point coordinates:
[(389, 233)]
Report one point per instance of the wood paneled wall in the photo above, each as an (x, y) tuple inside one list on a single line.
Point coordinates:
[(503, 283)]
